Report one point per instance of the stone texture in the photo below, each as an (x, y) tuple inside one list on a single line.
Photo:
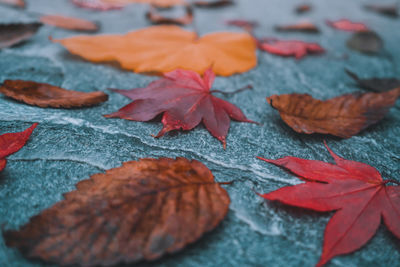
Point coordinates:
[(70, 145)]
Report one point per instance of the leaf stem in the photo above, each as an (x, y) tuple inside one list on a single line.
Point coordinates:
[(392, 181), (226, 183), (247, 87)]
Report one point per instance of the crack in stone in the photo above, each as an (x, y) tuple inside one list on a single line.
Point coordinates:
[(102, 168), (175, 149)]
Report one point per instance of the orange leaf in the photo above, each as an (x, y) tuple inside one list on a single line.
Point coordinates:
[(165, 48), (69, 23), (140, 211)]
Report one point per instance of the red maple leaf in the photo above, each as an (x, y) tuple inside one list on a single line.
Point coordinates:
[(347, 25), (12, 142), (353, 189), (185, 99), (288, 48)]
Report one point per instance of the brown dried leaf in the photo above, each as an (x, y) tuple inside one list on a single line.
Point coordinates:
[(375, 84), (387, 10), (17, 3), (303, 8), (12, 34), (46, 95), (156, 18), (139, 211), (213, 3), (69, 23), (367, 42), (342, 116), (306, 27)]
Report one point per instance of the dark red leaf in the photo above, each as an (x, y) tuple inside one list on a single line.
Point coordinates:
[(140, 211), (156, 18), (306, 27), (213, 3), (185, 100), (247, 25), (342, 116), (96, 5), (387, 10), (12, 142), (375, 84), (354, 190), (347, 25), (303, 8), (13, 34), (45, 95), (367, 42), (289, 48)]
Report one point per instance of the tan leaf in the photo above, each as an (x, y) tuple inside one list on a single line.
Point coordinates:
[(46, 95), (69, 23), (342, 116), (142, 210)]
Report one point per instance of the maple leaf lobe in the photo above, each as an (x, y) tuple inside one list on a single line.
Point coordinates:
[(12, 142)]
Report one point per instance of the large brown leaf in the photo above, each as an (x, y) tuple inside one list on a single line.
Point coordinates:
[(342, 116), (12, 34), (141, 210), (46, 95)]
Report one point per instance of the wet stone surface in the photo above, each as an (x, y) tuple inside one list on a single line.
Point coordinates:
[(70, 145)]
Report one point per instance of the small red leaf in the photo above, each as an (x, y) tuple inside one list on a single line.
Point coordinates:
[(247, 25), (354, 190), (96, 5), (347, 25), (12, 142), (289, 48), (185, 99), (46, 95)]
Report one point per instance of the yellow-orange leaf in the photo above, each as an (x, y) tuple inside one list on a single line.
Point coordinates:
[(165, 48)]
